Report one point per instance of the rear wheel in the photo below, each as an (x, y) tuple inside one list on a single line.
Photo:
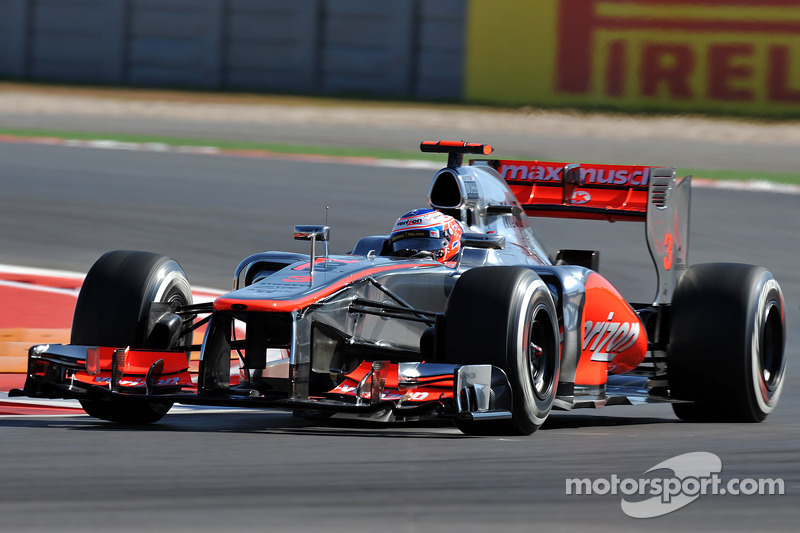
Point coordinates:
[(726, 351), (505, 316), (113, 310)]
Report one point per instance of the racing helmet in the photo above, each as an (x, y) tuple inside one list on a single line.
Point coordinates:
[(426, 230)]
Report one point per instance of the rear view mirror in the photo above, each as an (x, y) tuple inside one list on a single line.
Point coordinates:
[(312, 233)]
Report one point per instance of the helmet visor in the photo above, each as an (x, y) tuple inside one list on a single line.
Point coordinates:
[(417, 240)]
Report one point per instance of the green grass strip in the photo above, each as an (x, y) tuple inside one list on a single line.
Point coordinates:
[(222, 144), (741, 175), (736, 175)]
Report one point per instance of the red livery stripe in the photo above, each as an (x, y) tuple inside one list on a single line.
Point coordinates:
[(226, 303)]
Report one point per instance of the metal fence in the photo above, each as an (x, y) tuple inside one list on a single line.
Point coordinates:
[(402, 48)]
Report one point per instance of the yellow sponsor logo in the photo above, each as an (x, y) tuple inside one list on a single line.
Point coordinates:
[(689, 54)]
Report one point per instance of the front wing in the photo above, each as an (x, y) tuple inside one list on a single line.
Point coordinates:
[(378, 390)]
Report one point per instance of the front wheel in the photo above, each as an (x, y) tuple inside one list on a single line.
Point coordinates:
[(113, 309), (726, 350), (505, 317)]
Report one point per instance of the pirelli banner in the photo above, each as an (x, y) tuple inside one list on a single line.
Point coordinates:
[(738, 56)]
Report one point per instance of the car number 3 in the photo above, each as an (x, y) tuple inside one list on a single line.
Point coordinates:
[(668, 255)]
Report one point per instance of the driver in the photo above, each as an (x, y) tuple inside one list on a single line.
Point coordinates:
[(426, 233)]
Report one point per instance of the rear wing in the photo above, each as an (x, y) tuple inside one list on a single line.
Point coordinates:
[(614, 193)]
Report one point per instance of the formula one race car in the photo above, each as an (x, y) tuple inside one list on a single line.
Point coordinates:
[(492, 338)]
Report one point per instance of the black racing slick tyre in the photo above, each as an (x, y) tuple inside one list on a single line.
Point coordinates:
[(505, 317), (727, 342), (113, 309)]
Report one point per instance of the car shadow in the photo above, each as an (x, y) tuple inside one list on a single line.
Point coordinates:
[(558, 421), (285, 422)]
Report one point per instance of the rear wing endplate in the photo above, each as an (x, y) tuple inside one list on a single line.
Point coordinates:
[(614, 193)]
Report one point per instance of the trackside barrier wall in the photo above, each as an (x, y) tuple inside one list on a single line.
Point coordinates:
[(740, 56), (403, 48)]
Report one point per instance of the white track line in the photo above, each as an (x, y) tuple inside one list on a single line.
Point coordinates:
[(201, 293), (39, 288), (45, 272)]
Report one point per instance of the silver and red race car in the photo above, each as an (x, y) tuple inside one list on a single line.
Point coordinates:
[(494, 339)]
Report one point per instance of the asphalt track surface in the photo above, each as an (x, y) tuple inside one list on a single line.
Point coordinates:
[(63, 207)]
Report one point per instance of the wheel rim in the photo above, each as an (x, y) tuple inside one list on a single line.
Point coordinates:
[(770, 352), (172, 288), (176, 300), (540, 353)]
